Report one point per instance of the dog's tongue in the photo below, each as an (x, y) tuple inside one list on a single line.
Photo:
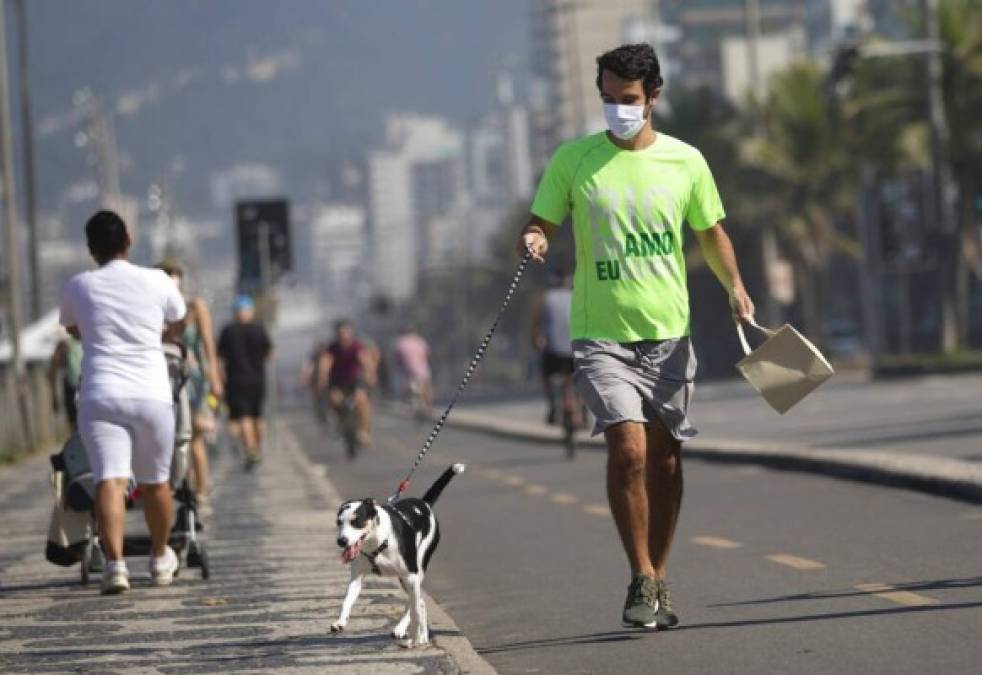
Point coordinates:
[(350, 553)]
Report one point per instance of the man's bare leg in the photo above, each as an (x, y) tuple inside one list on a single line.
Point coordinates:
[(664, 488), (627, 493), (248, 426), (110, 508), (199, 459), (158, 510)]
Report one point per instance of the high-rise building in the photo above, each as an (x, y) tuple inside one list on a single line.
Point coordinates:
[(567, 37), (416, 179), (337, 241)]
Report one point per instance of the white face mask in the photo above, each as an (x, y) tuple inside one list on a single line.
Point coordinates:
[(624, 121)]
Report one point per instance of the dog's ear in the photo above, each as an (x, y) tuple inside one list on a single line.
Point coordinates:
[(372, 508)]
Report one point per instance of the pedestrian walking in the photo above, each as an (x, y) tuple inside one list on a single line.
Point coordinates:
[(629, 189), (64, 375), (244, 348), (120, 312), (204, 378)]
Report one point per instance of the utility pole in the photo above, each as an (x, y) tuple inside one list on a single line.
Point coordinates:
[(269, 318), (768, 241), (27, 132), (11, 240), (944, 209)]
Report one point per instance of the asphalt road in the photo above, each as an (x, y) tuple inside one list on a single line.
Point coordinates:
[(771, 571)]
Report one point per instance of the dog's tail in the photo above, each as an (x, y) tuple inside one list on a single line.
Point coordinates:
[(437, 488)]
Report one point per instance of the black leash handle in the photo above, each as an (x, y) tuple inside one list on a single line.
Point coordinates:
[(468, 373)]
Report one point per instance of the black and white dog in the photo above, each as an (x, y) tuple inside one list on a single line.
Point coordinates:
[(392, 540)]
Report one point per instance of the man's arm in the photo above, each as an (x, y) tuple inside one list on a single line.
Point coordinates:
[(326, 362), (718, 252), (535, 236)]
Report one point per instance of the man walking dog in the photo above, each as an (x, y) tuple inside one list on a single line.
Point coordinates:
[(629, 189)]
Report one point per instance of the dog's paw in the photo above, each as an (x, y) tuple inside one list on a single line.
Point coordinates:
[(337, 627), (399, 634), (406, 643)]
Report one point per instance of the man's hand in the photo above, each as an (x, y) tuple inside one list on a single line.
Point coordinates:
[(741, 304), (533, 239)]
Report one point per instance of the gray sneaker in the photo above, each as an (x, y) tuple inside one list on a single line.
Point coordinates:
[(642, 605), (665, 617)]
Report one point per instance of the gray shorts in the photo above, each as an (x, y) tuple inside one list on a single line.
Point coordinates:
[(637, 382)]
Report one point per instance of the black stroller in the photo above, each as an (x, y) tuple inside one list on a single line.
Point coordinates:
[(73, 535)]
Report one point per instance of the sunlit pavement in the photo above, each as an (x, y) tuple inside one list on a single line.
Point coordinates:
[(771, 571), (276, 586)]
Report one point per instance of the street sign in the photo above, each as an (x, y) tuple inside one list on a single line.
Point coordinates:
[(272, 217)]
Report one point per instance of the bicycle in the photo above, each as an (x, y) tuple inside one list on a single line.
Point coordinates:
[(348, 424)]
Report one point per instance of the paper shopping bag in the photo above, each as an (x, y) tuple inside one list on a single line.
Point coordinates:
[(785, 368)]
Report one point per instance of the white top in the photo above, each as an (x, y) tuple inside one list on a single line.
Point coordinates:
[(120, 310)]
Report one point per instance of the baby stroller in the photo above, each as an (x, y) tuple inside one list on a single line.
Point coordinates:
[(73, 536)]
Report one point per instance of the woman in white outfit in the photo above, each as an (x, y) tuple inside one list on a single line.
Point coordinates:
[(126, 418)]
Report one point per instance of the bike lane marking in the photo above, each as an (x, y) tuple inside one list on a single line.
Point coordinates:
[(795, 562), (906, 598), (716, 542)]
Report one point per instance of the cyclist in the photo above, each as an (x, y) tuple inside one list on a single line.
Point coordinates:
[(550, 336), (411, 354), (345, 365)]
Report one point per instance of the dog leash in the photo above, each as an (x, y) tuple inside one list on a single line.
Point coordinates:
[(468, 373)]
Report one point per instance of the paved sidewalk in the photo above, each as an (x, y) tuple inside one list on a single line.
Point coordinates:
[(275, 588), (921, 433)]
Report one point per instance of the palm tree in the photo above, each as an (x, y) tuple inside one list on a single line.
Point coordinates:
[(960, 24), (805, 159)]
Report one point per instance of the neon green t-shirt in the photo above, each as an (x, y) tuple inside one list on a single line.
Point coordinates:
[(628, 208)]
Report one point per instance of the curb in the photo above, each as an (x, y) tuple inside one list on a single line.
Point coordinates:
[(447, 635), (940, 476)]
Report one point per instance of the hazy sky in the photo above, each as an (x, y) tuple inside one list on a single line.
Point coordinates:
[(292, 81)]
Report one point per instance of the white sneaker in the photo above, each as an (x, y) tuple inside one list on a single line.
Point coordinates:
[(115, 577), (164, 569)]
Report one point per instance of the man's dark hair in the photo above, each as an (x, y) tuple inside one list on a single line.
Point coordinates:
[(106, 236), (342, 323), (632, 62)]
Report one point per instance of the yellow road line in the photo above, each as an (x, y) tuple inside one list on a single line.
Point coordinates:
[(796, 562), (564, 498), (597, 510), (535, 489), (890, 593), (493, 474), (514, 481), (716, 542)]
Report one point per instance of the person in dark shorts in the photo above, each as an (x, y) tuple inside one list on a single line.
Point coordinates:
[(243, 348), (550, 336), (345, 365)]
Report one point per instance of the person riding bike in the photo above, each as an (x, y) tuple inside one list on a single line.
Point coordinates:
[(411, 354), (345, 366), (550, 336)]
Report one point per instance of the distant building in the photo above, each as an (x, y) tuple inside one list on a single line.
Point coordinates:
[(416, 179), (338, 237), (567, 37), (711, 39)]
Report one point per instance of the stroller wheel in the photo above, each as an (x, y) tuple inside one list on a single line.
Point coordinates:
[(86, 562), (198, 557)]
